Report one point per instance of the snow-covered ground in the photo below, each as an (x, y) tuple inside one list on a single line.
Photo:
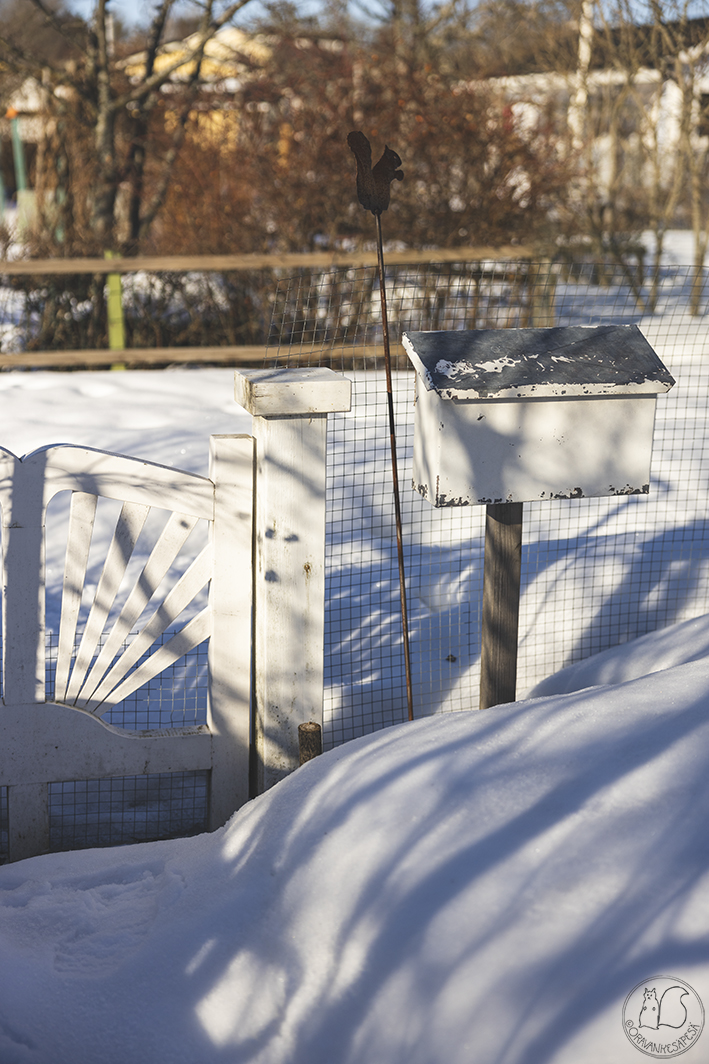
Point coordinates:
[(484, 887), (474, 888), (162, 415)]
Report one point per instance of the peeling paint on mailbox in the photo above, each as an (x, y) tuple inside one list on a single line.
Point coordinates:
[(521, 415)]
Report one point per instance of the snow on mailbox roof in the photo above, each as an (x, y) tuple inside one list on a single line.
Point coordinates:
[(530, 363)]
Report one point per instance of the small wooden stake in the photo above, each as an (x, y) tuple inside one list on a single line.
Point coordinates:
[(309, 740), (501, 583)]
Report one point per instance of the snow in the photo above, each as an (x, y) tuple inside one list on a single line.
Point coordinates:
[(164, 416), (676, 645), (479, 887), (473, 888)]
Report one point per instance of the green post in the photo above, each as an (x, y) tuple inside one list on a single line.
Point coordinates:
[(2, 195), (116, 321), (25, 195), (18, 151)]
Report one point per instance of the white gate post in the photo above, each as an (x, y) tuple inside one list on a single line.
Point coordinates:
[(289, 409), (231, 468), (23, 635), (23, 580)]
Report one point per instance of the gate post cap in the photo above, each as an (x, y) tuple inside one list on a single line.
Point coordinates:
[(283, 392)]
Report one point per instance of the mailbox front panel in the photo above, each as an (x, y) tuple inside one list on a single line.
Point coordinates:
[(489, 451)]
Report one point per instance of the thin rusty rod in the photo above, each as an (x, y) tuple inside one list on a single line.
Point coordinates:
[(395, 471)]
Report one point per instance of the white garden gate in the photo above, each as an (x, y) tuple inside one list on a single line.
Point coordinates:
[(263, 563), (48, 737)]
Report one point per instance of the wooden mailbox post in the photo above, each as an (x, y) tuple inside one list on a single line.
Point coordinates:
[(510, 416)]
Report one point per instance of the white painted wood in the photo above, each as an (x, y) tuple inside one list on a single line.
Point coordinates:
[(57, 743), (492, 451), (47, 742), (190, 584), (289, 588), (28, 818), (23, 580), (232, 461), (81, 526), (168, 546), (128, 527), (523, 415), (281, 391), (189, 637), (126, 479), (26, 487), (290, 410), (63, 467)]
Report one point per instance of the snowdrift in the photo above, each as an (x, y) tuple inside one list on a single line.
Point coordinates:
[(675, 645), (476, 887)]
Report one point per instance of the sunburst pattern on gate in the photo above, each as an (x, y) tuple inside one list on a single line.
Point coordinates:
[(106, 666)]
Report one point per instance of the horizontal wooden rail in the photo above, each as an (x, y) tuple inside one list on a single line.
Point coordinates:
[(226, 263), (317, 354), (228, 355)]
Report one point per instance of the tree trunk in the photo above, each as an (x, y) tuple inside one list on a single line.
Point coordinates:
[(104, 201)]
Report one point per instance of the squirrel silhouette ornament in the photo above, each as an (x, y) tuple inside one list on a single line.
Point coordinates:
[(373, 182), (669, 1011)]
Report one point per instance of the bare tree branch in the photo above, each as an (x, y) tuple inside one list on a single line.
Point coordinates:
[(159, 78), (23, 62), (141, 222), (157, 28), (57, 24)]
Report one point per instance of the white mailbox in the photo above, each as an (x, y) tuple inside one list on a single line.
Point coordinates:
[(517, 415)]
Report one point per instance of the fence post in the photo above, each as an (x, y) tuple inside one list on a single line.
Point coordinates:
[(542, 283), (289, 409), (116, 319), (231, 468), (501, 588), (23, 625)]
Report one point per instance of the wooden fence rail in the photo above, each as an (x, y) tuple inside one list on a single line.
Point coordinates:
[(231, 355), (137, 358), (225, 263)]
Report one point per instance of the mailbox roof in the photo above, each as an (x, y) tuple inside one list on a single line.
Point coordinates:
[(572, 360)]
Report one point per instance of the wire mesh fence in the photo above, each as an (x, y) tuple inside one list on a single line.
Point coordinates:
[(595, 572), (118, 810), (175, 698), (165, 309), (341, 308), (4, 826), (126, 809)]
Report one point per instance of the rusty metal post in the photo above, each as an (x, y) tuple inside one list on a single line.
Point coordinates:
[(373, 189), (395, 477)]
